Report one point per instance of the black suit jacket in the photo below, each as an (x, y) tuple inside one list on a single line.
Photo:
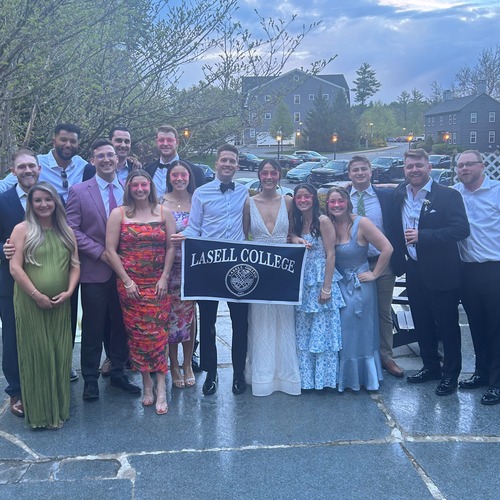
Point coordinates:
[(11, 214), (442, 223), (199, 176)]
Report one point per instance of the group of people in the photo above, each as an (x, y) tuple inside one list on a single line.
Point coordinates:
[(115, 229)]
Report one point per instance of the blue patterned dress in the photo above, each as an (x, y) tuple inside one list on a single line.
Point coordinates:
[(318, 325), (360, 356)]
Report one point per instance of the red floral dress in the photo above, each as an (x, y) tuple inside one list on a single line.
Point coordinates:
[(142, 250)]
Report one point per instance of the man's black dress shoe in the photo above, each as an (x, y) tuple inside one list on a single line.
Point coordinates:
[(446, 387), (210, 385), (90, 390), (123, 383), (424, 375), (491, 396), (473, 382), (239, 385)]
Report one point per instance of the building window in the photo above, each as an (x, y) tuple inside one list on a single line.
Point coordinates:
[(326, 97), (440, 120), (454, 139), (473, 137), (296, 117), (450, 120), (254, 115), (267, 116), (311, 97), (267, 98), (473, 117), (296, 78), (296, 99), (491, 117), (252, 132), (429, 121), (454, 119), (433, 121), (491, 136)]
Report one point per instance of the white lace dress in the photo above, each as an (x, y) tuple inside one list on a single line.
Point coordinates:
[(272, 363)]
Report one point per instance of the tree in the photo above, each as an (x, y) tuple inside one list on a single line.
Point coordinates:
[(282, 121), (436, 94), (383, 119), (366, 85), (487, 69), (318, 126), (343, 123)]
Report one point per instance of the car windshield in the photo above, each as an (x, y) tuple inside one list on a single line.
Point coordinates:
[(436, 172), (250, 156), (434, 158), (383, 160), (307, 165)]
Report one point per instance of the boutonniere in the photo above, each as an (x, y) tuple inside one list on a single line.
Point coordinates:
[(427, 204)]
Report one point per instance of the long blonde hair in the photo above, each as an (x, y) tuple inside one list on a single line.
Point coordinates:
[(128, 199), (34, 232)]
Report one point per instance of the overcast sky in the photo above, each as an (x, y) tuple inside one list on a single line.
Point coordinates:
[(409, 43)]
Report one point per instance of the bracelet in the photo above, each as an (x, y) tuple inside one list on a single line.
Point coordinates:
[(33, 292), (326, 293), (130, 286)]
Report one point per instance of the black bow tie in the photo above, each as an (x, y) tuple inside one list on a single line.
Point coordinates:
[(165, 165), (225, 187)]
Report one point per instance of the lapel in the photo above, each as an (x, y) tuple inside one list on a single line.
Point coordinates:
[(95, 195), (428, 202), (17, 208)]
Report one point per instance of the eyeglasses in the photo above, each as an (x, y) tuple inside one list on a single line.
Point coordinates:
[(103, 156), (64, 177), (468, 164)]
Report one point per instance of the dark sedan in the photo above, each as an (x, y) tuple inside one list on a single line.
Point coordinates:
[(289, 161), (249, 161), (387, 169), (334, 170), (440, 161), (208, 173)]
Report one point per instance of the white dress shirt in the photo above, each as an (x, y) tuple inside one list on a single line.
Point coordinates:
[(483, 211), (23, 197), (411, 211), (160, 177), (217, 215)]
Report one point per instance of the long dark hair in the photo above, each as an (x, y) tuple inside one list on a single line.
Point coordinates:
[(179, 163), (297, 214), (345, 196)]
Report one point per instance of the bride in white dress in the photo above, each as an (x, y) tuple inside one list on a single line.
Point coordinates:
[(272, 363)]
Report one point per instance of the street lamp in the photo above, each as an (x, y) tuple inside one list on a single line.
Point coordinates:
[(186, 133), (335, 138), (297, 137), (446, 137), (371, 130), (279, 137), (410, 138)]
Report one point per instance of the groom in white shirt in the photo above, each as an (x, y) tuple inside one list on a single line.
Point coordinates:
[(217, 213)]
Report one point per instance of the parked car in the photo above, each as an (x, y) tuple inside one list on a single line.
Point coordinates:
[(207, 172), (442, 176), (249, 161), (310, 155), (387, 169), (255, 184), (324, 188), (289, 161), (440, 161), (334, 170), (302, 172)]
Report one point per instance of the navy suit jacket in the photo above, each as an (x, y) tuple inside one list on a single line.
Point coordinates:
[(199, 176), (442, 223), (11, 214)]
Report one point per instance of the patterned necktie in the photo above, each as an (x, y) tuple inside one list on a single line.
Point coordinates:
[(225, 187), (112, 200), (361, 203)]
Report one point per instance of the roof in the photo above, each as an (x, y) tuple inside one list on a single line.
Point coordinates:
[(454, 105)]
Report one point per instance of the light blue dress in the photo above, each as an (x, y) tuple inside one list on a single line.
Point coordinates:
[(360, 356), (318, 325)]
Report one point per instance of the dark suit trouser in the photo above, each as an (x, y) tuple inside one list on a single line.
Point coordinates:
[(99, 302), (208, 348), (481, 301), (435, 313), (10, 364)]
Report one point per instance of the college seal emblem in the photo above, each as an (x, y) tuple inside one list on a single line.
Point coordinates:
[(242, 279)]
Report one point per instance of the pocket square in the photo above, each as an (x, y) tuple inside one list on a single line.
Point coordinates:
[(432, 211)]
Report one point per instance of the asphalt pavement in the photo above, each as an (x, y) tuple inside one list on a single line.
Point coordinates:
[(402, 442)]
